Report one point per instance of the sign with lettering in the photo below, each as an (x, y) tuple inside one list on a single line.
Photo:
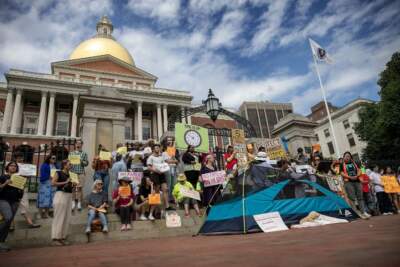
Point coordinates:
[(74, 159), (390, 184), (105, 155), (213, 178), (270, 222), (122, 150), (186, 192), (124, 191), (238, 136), (135, 177), (18, 181), (74, 178), (27, 169), (172, 219)]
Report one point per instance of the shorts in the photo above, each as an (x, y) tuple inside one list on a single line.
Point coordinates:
[(24, 203), (158, 179)]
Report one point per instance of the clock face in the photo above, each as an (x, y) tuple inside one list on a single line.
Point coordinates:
[(193, 138)]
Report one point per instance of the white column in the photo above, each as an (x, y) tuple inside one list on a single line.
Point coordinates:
[(154, 124), (17, 109), (183, 114), (89, 134), (7, 111), (165, 116), (189, 119), (139, 121), (42, 114), (159, 121), (74, 118), (50, 115)]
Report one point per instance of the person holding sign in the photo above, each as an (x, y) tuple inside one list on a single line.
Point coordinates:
[(391, 187), (156, 164), (230, 160), (9, 201), (97, 205), (62, 203), (100, 165), (79, 160), (118, 166), (211, 193), (182, 200), (142, 201), (191, 165), (123, 202), (45, 192)]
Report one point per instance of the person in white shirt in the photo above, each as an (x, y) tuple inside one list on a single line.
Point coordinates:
[(157, 166), (384, 203)]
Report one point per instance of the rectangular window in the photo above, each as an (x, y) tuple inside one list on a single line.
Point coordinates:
[(317, 137), (225, 141), (327, 133), (350, 137), (346, 124), (330, 147), (128, 129), (62, 124), (146, 129), (30, 123)]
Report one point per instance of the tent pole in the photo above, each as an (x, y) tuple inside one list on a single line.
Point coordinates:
[(243, 204)]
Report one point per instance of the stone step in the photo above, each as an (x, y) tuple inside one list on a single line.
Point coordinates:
[(23, 237)]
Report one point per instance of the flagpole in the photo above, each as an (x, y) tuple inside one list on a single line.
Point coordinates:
[(326, 105)]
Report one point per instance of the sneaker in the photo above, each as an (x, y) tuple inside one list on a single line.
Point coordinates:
[(105, 229), (4, 247), (143, 218), (79, 206), (123, 227), (151, 217), (366, 214), (73, 205), (390, 213), (385, 213), (87, 231), (128, 227), (34, 225)]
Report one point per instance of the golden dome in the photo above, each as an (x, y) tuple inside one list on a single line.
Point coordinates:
[(102, 44)]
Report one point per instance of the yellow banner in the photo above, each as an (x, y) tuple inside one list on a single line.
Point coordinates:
[(122, 150), (74, 159), (18, 181), (390, 184), (74, 177), (104, 155)]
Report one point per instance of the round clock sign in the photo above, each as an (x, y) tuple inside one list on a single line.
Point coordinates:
[(192, 138)]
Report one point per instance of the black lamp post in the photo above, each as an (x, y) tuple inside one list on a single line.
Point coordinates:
[(213, 106)]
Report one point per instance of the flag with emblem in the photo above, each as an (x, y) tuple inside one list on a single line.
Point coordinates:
[(319, 53)]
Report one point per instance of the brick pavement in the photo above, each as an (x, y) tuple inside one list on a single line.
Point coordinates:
[(375, 242)]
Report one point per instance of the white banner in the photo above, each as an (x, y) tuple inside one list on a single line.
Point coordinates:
[(270, 222), (27, 169), (134, 176), (172, 219), (213, 178), (190, 193)]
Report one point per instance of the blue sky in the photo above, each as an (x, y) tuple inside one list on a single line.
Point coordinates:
[(243, 50)]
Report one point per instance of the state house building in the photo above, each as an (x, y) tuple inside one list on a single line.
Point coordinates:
[(98, 94)]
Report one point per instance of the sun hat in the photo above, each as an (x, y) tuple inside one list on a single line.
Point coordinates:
[(262, 156), (181, 177)]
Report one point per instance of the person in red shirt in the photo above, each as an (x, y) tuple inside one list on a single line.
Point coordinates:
[(230, 160), (123, 199), (369, 202)]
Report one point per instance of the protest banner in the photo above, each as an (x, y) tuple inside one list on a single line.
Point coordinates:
[(74, 159), (105, 155), (124, 191), (27, 169), (196, 136), (213, 178), (390, 184), (74, 178), (172, 219), (18, 181), (135, 177), (270, 222), (238, 136), (190, 193), (122, 150)]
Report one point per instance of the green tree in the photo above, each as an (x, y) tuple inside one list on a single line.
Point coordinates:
[(379, 124)]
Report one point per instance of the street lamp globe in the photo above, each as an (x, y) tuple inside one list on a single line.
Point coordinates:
[(213, 106)]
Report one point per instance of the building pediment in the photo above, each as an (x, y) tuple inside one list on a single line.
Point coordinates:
[(104, 64)]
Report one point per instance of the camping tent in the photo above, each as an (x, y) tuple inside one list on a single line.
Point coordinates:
[(293, 198)]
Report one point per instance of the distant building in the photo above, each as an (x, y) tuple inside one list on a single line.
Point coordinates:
[(318, 111), (298, 131), (343, 122), (264, 115)]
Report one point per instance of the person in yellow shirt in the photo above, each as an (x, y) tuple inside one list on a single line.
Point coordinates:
[(180, 199)]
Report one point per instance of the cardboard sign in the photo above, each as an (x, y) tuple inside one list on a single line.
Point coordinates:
[(190, 193), (238, 136), (135, 177), (74, 178), (18, 181), (270, 222), (172, 219), (171, 151), (124, 191), (213, 178), (53, 172), (154, 199), (122, 150), (390, 184), (197, 166), (74, 159), (27, 169), (104, 155)]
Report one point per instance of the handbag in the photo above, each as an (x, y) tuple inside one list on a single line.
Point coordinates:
[(155, 199)]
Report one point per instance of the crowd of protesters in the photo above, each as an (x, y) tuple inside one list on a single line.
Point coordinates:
[(164, 172)]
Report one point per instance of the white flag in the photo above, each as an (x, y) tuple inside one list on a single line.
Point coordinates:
[(319, 53)]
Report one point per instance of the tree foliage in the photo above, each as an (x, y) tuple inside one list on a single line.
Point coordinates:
[(379, 124)]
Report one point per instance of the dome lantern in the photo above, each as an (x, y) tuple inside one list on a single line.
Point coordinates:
[(104, 27)]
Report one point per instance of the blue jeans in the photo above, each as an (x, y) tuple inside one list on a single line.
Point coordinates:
[(105, 177), (92, 216)]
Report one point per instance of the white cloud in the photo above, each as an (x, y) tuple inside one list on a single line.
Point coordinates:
[(228, 30), (163, 10)]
